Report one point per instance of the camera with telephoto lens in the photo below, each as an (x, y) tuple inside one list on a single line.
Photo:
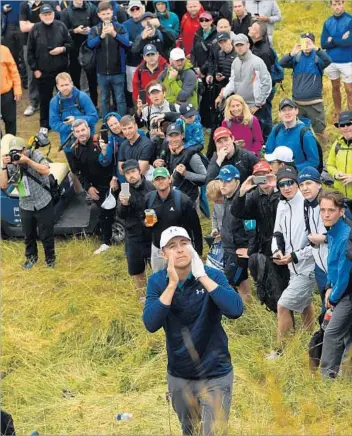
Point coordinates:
[(15, 155)]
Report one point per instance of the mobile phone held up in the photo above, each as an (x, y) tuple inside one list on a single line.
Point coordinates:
[(260, 180), (143, 96), (125, 189), (104, 135)]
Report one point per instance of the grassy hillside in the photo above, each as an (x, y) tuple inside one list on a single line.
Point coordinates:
[(75, 352)]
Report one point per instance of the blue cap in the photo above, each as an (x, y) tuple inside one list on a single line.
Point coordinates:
[(149, 48), (228, 173), (309, 173)]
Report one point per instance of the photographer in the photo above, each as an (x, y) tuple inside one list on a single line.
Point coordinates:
[(19, 167)]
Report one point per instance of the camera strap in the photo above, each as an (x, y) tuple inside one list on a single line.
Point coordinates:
[(42, 184)]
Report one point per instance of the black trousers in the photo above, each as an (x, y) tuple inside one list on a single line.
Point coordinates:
[(44, 220), (46, 86), (8, 112), (13, 39), (106, 217), (75, 72)]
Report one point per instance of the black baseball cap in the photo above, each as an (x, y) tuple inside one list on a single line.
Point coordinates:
[(129, 164), (344, 118), (223, 36), (173, 128), (308, 35), (287, 172), (188, 110), (146, 15), (287, 102), (46, 9)]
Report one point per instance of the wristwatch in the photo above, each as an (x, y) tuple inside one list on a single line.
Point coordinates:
[(4, 168)]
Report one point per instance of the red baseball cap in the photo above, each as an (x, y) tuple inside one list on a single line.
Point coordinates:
[(221, 132), (206, 15), (261, 167)]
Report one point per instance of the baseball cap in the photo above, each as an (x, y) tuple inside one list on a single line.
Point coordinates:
[(206, 15), (309, 173), (156, 87), (172, 232), (287, 172), (129, 165), (149, 48), (281, 153), (228, 173), (261, 167), (287, 102), (146, 15), (17, 143), (188, 110), (134, 3), (160, 172), (223, 36), (308, 35), (344, 118), (46, 9), (221, 132), (177, 54), (174, 128), (241, 38)]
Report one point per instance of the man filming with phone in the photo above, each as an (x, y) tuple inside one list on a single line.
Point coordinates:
[(21, 167), (95, 178), (130, 207)]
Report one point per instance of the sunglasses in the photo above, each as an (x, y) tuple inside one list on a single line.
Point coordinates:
[(135, 8), (204, 20), (346, 124), (287, 183)]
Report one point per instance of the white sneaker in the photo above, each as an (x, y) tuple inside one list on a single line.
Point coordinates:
[(274, 355), (44, 131), (30, 110), (102, 248)]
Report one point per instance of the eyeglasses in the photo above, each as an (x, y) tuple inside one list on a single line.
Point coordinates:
[(135, 8), (286, 183), (204, 20), (346, 124)]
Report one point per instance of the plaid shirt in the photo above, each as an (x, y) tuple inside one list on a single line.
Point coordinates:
[(39, 197)]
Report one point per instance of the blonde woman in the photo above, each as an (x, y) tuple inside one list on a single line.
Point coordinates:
[(244, 126)]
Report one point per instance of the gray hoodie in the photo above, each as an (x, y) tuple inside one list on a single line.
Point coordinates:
[(250, 79), (268, 8)]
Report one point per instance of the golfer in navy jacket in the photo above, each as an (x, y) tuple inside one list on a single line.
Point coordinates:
[(188, 301)]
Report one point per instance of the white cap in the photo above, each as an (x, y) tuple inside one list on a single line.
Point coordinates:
[(282, 153), (134, 3), (172, 232), (177, 54), (157, 87)]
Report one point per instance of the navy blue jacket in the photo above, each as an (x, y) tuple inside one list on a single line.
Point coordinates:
[(340, 50), (193, 321), (339, 267), (307, 82)]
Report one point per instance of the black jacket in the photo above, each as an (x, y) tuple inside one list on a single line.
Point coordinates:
[(218, 9), (233, 233), (202, 49), (221, 62), (263, 50), (242, 159), (41, 40), (242, 26), (163, 39), (74, 17), (168, 215), (133, 214), (85, 160), (255, 205)]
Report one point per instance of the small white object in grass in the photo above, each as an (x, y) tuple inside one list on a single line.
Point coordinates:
[(124, 416)]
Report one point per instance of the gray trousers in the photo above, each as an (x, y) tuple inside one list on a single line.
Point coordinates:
[(33, 90), (337, 337), (206, 402)]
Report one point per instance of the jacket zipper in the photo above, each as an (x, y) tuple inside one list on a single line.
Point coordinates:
[(319, 247), (293, 265)]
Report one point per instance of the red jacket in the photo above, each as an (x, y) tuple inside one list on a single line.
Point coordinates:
[(142, 76), (189, 27)]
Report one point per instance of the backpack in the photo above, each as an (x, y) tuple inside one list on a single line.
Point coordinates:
[(177, 198), (76, 104), (302, 132), (277, 72), (87, 57)]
